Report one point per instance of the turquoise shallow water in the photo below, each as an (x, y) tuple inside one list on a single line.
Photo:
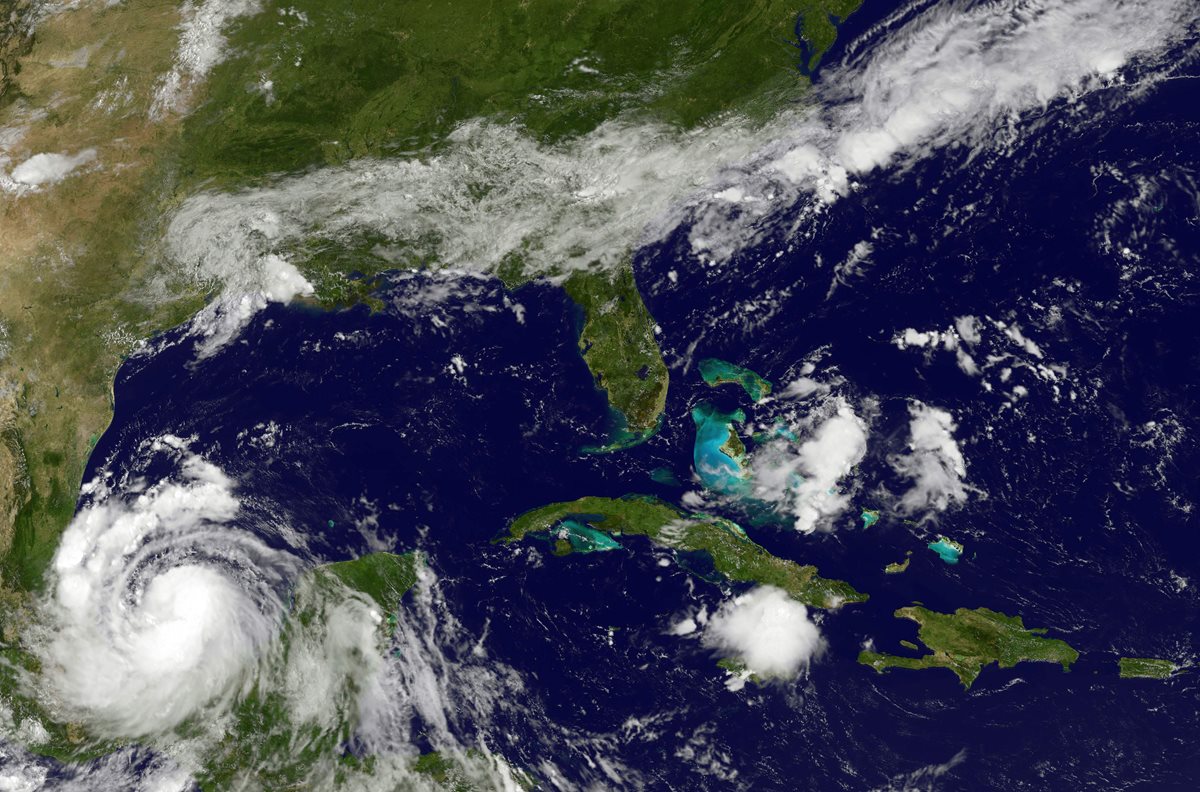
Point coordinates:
[(948, 553), (585, 539), (716, 372), (383, 422), (664, 476), (717, 470)]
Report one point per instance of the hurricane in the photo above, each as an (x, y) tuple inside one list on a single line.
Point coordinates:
[(598, 396), (160, 602)]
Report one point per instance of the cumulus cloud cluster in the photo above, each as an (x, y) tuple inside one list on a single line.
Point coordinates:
[(934, 464), (958, 339), (50, 168), (243, 266), (768, 631), (991, 356), (803, 476)]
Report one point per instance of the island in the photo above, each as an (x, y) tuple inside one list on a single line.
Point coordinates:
[(719, 453), (332, 87), (737, 675), (896, 567), (290, 89), (967, 640), (461, 773), (1146, 668), (949, 550), (733, 554), (718, 372), (869, 517), (778, 429)]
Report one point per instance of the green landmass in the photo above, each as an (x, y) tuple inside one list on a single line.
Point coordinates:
[(617, 343), (733, 554), (446, 772), (967, 640), (910, 645), (450, 774), (1146, 668), (384, 577), (737, 668), (308, 83), (869, 517), (733, 447), (360, 78), (896, 567), (268, 747), (83, 278), (718, 372)]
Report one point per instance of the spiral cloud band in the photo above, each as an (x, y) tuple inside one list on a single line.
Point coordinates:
[(159, 602)]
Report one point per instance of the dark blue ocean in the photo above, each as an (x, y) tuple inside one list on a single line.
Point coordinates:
[(391, 429)]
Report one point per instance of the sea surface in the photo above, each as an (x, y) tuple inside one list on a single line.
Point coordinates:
[(432, 423)]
